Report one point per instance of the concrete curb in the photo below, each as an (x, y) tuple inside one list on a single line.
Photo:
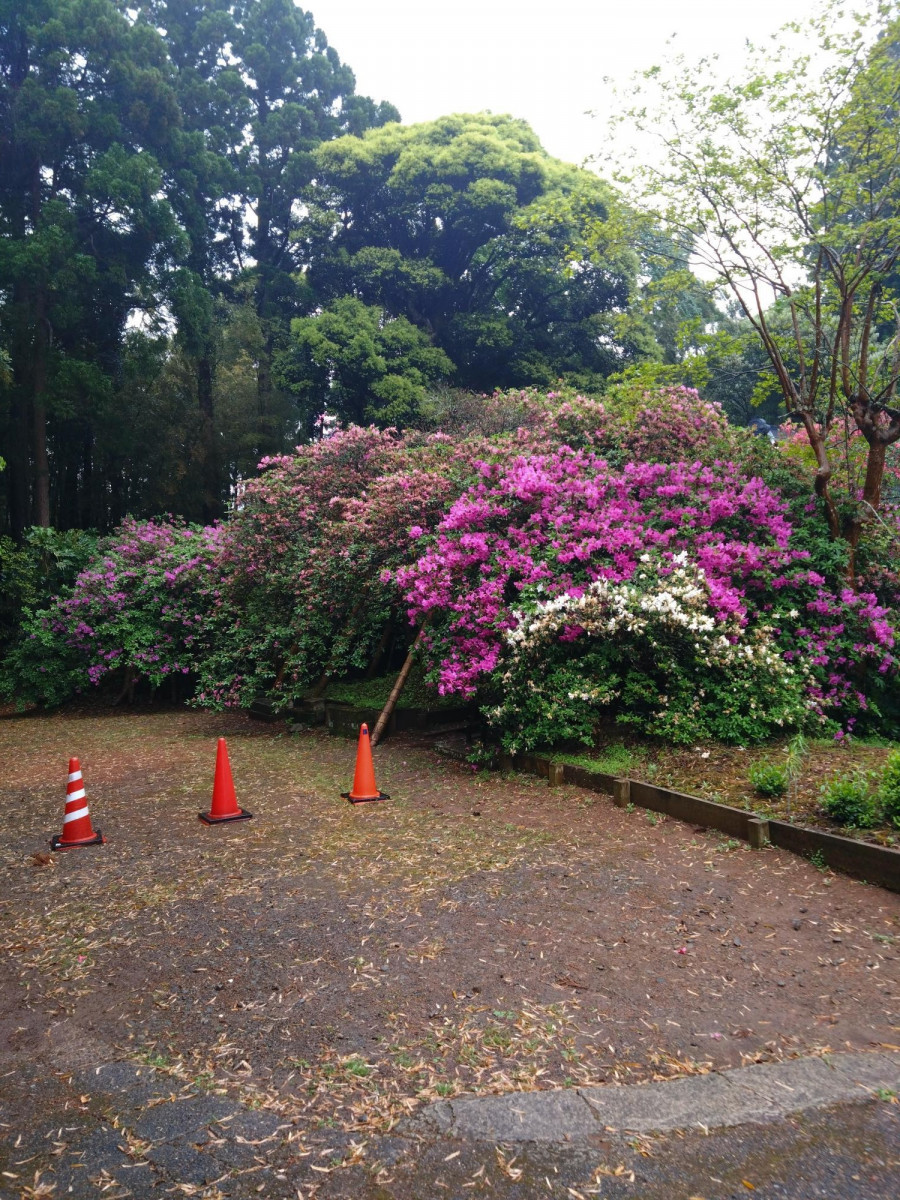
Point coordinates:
[(763, 1092)]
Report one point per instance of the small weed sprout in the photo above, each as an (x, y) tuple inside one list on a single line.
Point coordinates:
[(796, 754)]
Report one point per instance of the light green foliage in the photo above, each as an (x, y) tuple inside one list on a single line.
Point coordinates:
[(849, 799), (361, 364), (373, 693), (785, 181), (889, 790), (769, 779)]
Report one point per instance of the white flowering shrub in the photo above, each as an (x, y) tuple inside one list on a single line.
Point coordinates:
[(650, 653)]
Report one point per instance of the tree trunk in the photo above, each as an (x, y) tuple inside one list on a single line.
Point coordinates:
[(823, 473), (212, 485), (17, 467), (41, 497), (398, 687), (875, 462), (375, 660), (870, 501)]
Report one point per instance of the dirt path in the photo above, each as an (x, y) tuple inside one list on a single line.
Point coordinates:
[(336, 966)]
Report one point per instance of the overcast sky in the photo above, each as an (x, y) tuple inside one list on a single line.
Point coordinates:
[(542, 61)]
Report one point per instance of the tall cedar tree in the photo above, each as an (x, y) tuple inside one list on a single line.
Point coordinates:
[(85, 108)]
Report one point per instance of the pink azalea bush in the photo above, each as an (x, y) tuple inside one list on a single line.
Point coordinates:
[(639, 560), (673, 424), (549, 526), (305, 556)]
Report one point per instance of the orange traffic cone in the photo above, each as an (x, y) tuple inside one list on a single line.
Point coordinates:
[(224, 801), (364, 785), (77, 828)]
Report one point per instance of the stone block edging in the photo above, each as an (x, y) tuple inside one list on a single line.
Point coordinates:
[(763, 1092)]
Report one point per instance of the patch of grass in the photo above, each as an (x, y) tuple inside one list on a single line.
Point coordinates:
[(355, 1066), (373, 693), (614, 759)]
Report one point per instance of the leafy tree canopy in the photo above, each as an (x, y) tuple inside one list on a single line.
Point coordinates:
[(510, 260), (785, 180), (363, 365)]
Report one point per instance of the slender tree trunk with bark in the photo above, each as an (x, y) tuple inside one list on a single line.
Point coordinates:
[(41, 496), (398, 687), (212, 483)]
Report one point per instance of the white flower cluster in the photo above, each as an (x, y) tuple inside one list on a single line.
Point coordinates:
[(649, 605)]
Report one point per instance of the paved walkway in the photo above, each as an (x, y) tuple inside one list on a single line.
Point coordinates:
[(758, 1093)]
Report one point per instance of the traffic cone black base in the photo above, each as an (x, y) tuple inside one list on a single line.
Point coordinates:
[(241, 815), (364, 799), (56, 842)]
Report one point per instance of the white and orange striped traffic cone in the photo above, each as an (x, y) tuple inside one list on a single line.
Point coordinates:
[(77, 828)]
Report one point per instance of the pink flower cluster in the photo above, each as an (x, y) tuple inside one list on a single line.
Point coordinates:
[(548, 524)]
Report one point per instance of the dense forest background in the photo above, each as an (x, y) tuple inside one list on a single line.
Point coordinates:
[(208, 239)]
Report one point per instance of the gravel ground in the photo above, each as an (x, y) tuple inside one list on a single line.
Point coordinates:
[(324, 969)]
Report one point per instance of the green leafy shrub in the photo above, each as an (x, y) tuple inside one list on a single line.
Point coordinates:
[(45, 565), (769, 779), (649, 653), (890, 789), (849, 800), (144, 604)]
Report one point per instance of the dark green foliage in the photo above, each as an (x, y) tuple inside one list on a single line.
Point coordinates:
[(849, 799), (889, 789), (87, 111), (510, 261), (769, 779), (363, 365), (31, 574), (126, 182)]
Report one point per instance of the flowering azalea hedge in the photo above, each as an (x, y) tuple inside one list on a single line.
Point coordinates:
[(143, 606), (639, 561), (550, 527)]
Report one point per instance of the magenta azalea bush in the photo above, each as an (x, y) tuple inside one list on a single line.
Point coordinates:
[(142, 606), (639, 561), (303, 559), (548, 528)]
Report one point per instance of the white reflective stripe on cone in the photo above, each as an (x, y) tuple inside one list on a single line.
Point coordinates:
[(79, 795), (75, 816), (73, 776)]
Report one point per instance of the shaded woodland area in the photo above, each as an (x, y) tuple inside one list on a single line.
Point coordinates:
[(207, 236)]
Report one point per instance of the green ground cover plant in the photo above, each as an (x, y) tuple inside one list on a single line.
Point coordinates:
[(768, 778), (850, 799)]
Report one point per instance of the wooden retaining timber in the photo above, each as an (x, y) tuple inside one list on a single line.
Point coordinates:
[(861, 860)]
